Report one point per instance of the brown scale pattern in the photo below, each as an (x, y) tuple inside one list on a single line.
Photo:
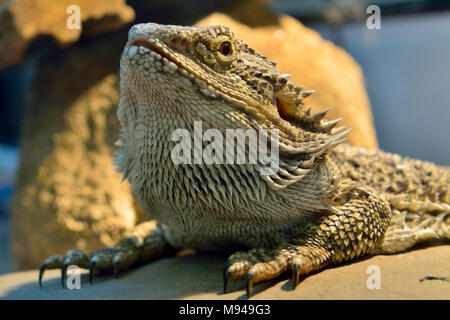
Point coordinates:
[(391, 174)]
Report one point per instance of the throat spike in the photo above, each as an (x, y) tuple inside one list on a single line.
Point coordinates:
[(328, 125), (319, 116), (306, 93), (339, 136)]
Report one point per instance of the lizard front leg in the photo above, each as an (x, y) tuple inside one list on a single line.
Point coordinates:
[(142, 244), (356, 225)]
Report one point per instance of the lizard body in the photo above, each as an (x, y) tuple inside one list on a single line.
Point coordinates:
[(328, 202)]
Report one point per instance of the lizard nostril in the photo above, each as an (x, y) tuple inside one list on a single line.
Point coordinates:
[(179, 43)]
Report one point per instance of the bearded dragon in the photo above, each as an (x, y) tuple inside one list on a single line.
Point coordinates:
[(327, 203)]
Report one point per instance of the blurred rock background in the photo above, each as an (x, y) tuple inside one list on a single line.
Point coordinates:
[(59, 90)]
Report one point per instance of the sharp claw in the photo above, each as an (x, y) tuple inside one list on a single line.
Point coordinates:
[(295, 277), (64, 274), (225, 268), (116, 268), (249, 286), (226, 281), (91, 270), (41, 274)]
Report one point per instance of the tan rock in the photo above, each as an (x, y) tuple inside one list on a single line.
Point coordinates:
[(68, 193), (21, 21), (316, 64)]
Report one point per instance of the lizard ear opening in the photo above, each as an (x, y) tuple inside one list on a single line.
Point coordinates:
[(285, 109), (290, 108)]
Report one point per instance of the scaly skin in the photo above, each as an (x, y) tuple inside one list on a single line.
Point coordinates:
[(328, 203)]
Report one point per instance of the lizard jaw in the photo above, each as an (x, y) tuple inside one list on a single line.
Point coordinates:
[(156, 49)]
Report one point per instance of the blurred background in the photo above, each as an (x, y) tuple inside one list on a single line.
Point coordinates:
[(406, 67)]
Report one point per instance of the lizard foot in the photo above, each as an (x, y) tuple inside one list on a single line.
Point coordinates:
[(262, 264), (354, 226), (141, 245)]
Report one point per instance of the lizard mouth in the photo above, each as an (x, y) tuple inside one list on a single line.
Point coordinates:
[(164, 58), (168, 60), (146, 44), (157, 49), (151, 45)]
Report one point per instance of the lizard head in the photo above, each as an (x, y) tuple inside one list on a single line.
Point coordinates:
[(206, 72)]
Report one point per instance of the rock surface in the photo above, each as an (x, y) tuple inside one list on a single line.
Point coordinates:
[(68, 193), (199, 276), (22, 21)]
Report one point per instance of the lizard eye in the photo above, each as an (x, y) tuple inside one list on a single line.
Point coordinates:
[(226, 48)]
